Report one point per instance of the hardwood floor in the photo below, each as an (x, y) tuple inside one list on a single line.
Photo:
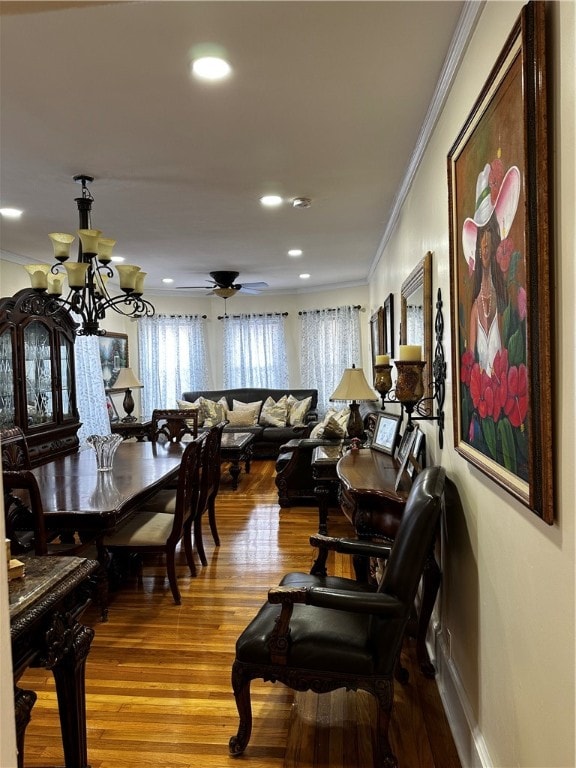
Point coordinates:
[(158, 686)]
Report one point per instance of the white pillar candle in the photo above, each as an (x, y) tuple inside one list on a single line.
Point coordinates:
[(410, 353), (382, 359)]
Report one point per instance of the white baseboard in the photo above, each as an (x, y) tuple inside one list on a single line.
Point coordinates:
[(467, 736)]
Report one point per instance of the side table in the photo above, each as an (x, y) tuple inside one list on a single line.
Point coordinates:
[(140, 429), (324, 461), (45, 606), (236, 447)]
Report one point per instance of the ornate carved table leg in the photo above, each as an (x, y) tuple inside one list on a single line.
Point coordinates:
[(23, 703), (235, 471), (68, 643), (322, 491)]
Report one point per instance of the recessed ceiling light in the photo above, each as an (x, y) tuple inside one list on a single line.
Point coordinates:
[(167, 280), (211, 68), (304, 276), (10, 213), (295, 252), (118, 259), (271, 201)]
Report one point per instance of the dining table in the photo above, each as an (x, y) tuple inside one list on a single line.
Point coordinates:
[(78, 497)]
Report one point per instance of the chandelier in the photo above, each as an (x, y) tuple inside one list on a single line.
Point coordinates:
[(88, 294)]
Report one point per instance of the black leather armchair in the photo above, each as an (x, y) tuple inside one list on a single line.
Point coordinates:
[(324, 633)]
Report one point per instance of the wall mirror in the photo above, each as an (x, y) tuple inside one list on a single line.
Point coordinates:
[(416, 314)]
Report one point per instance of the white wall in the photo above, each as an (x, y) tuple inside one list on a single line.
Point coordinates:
[(508, 592)]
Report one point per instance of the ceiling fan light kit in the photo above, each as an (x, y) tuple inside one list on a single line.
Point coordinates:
[(223, 285)]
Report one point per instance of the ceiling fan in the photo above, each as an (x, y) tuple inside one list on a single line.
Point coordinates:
[(223, 285)]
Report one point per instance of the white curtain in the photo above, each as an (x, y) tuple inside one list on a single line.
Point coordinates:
[(330, 343), (255, 351), (90, 394), (173, 359)]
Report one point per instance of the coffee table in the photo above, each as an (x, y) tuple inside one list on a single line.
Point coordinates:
[(236, 447)]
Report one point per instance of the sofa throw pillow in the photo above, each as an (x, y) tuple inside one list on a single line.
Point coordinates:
[(338, 421), (274, 413), (184, 405), (318, 430), (242, 417), (251, 409), (213, 412), (333, 430), (297, 410)]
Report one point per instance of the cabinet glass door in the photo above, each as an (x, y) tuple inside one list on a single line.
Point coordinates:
[(7, 408), (38, 370), (66, 378)]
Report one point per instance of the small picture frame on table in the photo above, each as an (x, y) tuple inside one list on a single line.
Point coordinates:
[(404, 454), (386, 433), (414, 464)]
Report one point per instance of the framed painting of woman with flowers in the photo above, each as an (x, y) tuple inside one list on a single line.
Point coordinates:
[(500, 274)]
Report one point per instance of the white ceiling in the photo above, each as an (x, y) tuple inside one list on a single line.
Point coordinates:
[(327, 101)]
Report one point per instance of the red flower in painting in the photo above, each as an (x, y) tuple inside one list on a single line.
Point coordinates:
[(466, 364), (481, 392), (517, 401), (521, 299), (504, 253), (500, 381)]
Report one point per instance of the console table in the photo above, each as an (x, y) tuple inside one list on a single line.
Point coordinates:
[(45, 606)]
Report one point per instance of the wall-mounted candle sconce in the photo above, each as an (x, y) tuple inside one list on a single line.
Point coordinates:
[(409, 389)]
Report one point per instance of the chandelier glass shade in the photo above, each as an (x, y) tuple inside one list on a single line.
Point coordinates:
[(88, 295)]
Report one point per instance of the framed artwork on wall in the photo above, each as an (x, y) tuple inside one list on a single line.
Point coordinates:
[(113, 356), (377, 333), (388, 332), (501, 277)]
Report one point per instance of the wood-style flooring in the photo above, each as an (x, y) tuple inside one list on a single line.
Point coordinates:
[(158, 686)]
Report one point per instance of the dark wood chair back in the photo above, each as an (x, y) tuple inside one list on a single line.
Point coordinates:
[(209, 484), (172, 424)]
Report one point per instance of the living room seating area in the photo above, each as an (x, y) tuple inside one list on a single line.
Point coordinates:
[(273, 416)]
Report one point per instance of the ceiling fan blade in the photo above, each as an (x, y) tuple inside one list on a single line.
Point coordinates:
[(254, 285), (253, 291), (194, 287)]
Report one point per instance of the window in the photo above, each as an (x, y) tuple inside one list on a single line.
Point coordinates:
[(173, 359), (255, 351), (330, 343)]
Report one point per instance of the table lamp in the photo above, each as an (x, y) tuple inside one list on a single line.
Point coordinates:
[(126, 382), (354, 387)]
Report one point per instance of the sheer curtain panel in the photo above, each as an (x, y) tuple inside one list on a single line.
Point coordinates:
[(255, 351), (330, 343), (90, 394), (173, 359)]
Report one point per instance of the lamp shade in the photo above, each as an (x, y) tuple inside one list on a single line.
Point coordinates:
[(126, 380), (353, 386)]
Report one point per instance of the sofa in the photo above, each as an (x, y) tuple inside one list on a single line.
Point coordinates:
[(294, 478), (267, 437)]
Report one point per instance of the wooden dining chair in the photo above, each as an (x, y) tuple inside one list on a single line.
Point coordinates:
[(150, 531), (209, 485), (172, 424), (165, 500)]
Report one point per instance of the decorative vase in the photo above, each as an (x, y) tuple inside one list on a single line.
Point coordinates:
[(105, 447)]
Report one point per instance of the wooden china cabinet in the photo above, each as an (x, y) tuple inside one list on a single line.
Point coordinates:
[(37, 379)]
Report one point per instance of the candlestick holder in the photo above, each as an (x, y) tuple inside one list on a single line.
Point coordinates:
[(383, 381), (409, 389)]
